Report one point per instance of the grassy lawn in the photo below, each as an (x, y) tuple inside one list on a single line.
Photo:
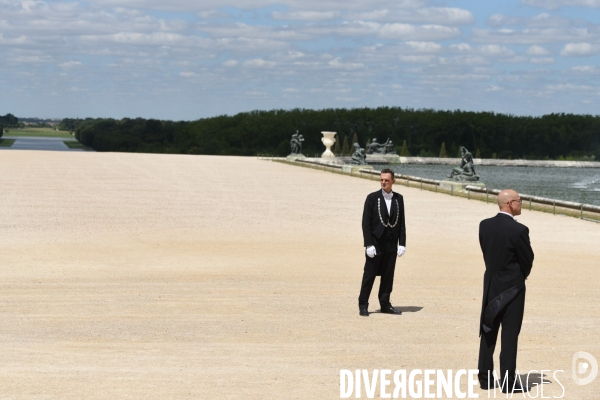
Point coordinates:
[(41, 132), (6, 142), (75, 145)]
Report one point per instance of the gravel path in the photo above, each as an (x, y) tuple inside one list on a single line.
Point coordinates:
[(196, 277)]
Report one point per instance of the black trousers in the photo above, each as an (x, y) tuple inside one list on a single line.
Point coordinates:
[(385, 263), (511, 319)]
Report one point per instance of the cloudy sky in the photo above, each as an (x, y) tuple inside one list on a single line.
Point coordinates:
[(188, 59)]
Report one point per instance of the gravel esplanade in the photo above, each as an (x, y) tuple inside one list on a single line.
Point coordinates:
[(173, 276)]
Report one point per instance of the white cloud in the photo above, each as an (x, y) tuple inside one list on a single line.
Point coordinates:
[(495, 50), (580, 49), (372, 15), (542, 60), (584, 70), (534, 35), (454, 79), (555, 4), (32, 59), (187, 74), (425, 47), (258, 63), (335, 63), (17, 41), (244, 30), (416, 59), (228, 49), (213, 14), (425, 32), (537, 51), (461, 47), (255, 93), (428, 15), (501, 20), (446, 16), (465, 60), (543, 20), (306, 15), (569, 87), (308, 5), (70, 64)]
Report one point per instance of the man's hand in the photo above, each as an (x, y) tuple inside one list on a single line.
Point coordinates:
[(371, 252), (401, 251)]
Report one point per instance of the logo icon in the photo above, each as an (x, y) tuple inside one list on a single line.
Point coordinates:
[(584, 364)]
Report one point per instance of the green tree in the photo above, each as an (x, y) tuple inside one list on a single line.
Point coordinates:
[(478, 154), (9, 121), (404, 152), (336, 147), (443, 151), (494, 156), (250, 133), (345, 147), (354, 138), (459, 154)]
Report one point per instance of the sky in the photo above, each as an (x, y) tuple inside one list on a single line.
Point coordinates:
[(190, 59)]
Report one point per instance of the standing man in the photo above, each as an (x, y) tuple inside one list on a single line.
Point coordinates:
[(508, 260), (385, 239)]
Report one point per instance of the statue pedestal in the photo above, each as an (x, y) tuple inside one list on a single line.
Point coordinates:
[(294, 157), (353, 169), (383, 158), (459, 186)]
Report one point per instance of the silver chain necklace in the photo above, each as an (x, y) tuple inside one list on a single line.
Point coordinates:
[(388, 225)]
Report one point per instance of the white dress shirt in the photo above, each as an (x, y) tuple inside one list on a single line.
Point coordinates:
[(504, 212), (388, 200)]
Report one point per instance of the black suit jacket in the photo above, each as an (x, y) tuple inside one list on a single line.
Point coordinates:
[(508, 260), (372, 227)]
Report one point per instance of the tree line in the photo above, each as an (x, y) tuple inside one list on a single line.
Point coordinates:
[(425, 133), (8, 121)]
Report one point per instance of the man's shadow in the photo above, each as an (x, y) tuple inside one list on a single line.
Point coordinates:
[(405, 309), (534, 379)]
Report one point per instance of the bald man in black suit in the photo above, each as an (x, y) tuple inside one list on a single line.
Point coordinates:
[(508, 260)]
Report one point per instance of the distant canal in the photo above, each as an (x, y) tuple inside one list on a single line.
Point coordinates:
[(581, 185)]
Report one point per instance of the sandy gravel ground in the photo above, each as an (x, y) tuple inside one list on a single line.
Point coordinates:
[(194, 277)]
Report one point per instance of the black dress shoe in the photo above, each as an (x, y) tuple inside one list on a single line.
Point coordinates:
[(364, 312), (517, 388), (391, 310)]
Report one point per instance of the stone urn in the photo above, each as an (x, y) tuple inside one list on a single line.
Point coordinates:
[(328, 140)]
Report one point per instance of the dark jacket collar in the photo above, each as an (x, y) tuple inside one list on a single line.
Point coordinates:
[(504, 216)]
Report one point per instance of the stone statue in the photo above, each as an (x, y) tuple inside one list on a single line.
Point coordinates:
[(466, 171), (296, 144), (373, 146), (389, 147), (380, 148), (359, 156)]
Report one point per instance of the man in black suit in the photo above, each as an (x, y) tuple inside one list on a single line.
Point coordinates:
[(508, 260), (384, 236)]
